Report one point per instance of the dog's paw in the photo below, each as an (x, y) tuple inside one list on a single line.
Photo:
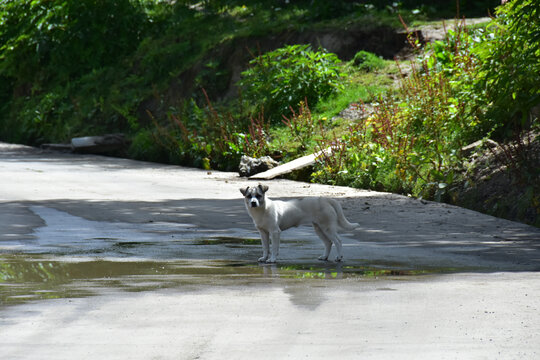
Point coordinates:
[(323, 258), (271, 261), (339, 259), (262, 259)]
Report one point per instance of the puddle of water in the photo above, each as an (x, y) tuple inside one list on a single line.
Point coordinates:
[(225, 240), (34, 277), (31, 277), (75, 257)]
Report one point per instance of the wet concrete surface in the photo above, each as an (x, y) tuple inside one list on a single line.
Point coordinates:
[(112, 258)]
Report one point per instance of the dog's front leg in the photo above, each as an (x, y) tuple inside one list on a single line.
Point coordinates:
[(265, 241), (274, 236)]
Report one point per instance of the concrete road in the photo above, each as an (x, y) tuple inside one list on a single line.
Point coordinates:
[(118, 259)]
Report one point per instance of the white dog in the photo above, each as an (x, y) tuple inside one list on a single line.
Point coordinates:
[(273, 217)]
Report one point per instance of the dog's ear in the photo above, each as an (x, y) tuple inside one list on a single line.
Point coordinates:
[(263, 188), (244, 191)]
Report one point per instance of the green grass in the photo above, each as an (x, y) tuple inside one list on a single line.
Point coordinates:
[(359, 86)]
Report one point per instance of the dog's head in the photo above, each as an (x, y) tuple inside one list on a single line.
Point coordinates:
[(254, 196)]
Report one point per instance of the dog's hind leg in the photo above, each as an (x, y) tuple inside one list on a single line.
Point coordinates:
[(326, 241), (332, 236), (339, 245)]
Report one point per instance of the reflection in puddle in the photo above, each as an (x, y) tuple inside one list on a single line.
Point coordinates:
[(31, 277), (75, 257), (225, 240)]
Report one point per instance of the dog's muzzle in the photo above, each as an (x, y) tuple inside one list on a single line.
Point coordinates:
[(254, 203)]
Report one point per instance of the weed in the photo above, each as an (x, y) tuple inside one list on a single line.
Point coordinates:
[(207, 138), (301, 125), (256, 144), (411, 141)]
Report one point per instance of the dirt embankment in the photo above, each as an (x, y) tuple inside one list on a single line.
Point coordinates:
[(504, 180), (233, 57)]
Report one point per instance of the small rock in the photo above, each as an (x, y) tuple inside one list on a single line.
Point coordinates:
[(250, 166)]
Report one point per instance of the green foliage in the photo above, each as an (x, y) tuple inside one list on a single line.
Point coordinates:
[(71, 68), (411, 141), (60, 67), (510, 69), (496, 69), (207, 138), (301, 126), (472, 85), (282, 78), (364, 60), (410, 144), (65, 38)]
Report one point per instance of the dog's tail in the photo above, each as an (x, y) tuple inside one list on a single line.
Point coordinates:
[(343, 223)]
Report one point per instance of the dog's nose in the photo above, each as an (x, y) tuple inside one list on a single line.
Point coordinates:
[(254, 204)]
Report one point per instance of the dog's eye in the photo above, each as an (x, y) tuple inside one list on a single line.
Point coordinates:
[(258, 196)]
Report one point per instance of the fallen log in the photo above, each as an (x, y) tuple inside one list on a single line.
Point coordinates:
[(98, 144), (291, 166)]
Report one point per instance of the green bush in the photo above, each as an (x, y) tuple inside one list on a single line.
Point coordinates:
[(510, 69), (280, 79), (65, 38), (495, 71), (52, 58), (364, 60), (474, 84)]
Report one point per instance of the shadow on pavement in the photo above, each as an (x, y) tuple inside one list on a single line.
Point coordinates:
[(174, 224)]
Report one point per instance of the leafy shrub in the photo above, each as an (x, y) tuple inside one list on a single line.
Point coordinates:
[(510, 67), (364, 60), (38, 36), (51, 52), (496, 69), (282, 78)]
